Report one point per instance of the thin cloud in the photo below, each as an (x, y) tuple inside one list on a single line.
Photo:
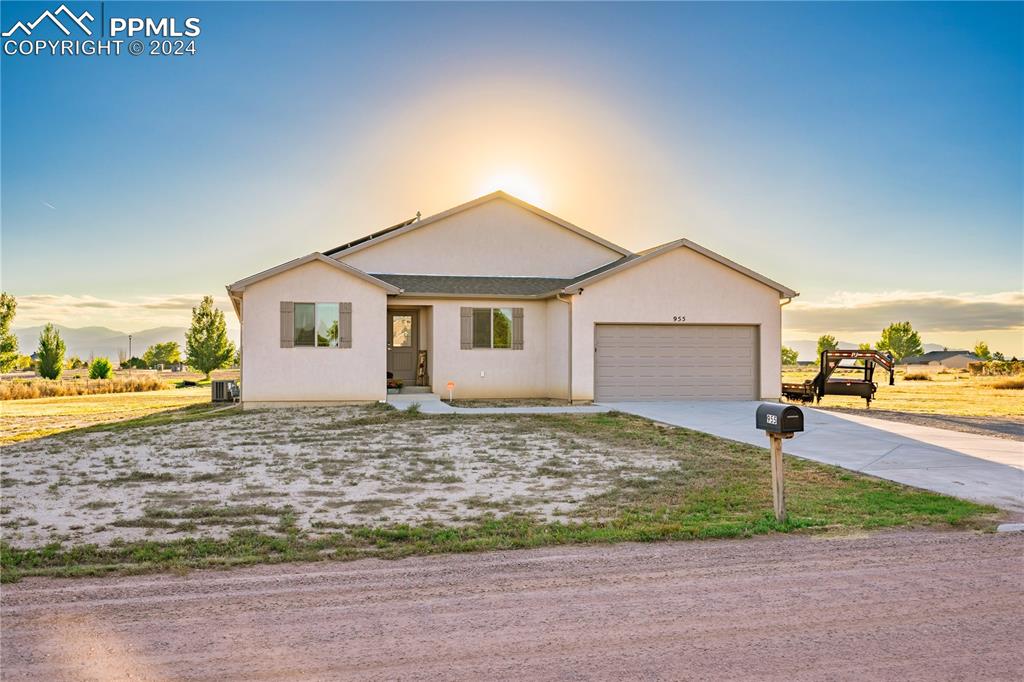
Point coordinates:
[(929, 311), (131, 313), (48, 205)]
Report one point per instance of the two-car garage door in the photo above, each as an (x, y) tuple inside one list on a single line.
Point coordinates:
[(675, 362)]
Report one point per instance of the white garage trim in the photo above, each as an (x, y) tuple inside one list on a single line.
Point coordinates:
[(676, 362)]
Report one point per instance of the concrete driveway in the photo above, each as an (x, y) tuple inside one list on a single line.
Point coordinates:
[(978, 468)]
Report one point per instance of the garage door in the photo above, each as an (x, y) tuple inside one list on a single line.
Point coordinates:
[(675, 362)]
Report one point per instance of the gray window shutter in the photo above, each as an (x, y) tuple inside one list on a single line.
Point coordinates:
[(287, 324), (517, 329), (466, 318), (344, 325)]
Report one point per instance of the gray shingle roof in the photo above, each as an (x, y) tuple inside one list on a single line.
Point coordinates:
[(937, 356), (489, 286), (474, 286)]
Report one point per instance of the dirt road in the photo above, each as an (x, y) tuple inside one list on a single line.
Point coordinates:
[(895, 606)]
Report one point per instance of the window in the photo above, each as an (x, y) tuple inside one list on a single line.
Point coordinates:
[(316, 324), (401, 331), (501, 329), (481, 327), (327, 325), (304, 324), (492, 327)]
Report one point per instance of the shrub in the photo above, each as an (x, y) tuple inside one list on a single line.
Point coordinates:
[(134, 363), (17, 389), (995, 368), (100, 369), (1013, 384), (917, 376), (51, 353)]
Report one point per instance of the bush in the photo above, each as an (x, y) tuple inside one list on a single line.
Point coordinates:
[(17, 389), (100, 369), (1013, 384), (996, 368), (51, 353), (917, 376)]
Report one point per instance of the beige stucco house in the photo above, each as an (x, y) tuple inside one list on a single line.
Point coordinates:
[(502, 299)]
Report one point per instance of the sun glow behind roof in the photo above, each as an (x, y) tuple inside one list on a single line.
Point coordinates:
[(516, 183)]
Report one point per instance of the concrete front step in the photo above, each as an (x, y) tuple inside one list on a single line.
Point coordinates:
[(414, 389)]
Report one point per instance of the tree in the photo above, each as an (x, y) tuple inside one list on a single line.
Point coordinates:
[(982, 351), (862, 346), (8, 341), (900, 339), (206, 344), (999, 356), (789, 356), (100, 369), (826, 342), (51, 353), (167, 353)]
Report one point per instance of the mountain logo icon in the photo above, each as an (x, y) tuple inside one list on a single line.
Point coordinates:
[(27, 28)]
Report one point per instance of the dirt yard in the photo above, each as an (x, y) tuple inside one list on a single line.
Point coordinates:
[(899, 606), (317, 468), (212, 486)]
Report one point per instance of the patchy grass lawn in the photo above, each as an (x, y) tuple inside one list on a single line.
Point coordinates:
[(27, 419), (957, 394), (233, 487)]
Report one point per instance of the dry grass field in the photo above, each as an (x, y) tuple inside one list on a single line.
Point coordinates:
[(955, 394), (27, 419)]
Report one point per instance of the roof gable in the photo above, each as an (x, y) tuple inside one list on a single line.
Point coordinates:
[(241, 284), (638, 259), (416, 224)]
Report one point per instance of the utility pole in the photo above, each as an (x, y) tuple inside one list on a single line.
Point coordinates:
[(129, 355)]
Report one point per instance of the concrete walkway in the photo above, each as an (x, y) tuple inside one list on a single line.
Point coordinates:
[(973, 467), (431, 403)]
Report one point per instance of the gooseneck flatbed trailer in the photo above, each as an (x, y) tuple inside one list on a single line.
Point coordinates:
[(824, 383)]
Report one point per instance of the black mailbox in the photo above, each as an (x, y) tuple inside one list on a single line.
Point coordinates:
[(778, 418)]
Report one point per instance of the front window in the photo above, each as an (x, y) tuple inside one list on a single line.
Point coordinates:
[(305, 326), (316, 325), (327, 325), (492, 327), (481, 327), (501, 329)]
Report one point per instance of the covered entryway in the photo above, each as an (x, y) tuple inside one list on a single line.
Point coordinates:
[(675, 362)]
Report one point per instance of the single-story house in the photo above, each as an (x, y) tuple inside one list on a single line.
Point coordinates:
[(499, 298), (940, 359)]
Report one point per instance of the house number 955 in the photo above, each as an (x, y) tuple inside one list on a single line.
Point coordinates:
[(679, 318)]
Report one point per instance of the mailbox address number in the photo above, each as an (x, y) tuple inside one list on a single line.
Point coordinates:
[(679, 318)]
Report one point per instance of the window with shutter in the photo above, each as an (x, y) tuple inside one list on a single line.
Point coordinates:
[(500, 328)]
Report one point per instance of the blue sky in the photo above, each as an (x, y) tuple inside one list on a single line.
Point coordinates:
[(868, 155)]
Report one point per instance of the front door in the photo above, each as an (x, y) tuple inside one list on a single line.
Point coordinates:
[(402, 330)]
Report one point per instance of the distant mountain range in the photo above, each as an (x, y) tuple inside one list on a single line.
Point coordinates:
[(94, 342), (808, 349)]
